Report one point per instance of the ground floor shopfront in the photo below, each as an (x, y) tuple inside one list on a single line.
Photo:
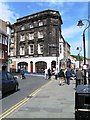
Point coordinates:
[(35, 64)]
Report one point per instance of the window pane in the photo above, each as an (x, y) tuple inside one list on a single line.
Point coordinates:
[(31, 49), (22, 37), (22, 51), (10, 76), (22, 28), (4, 76), (40, 34), (40, 23), (31, 36), (2, 54), (31, 26)]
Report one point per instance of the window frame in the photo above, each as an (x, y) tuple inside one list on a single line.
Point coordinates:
[(22, 37), (22, 50), (40, 34), (31, 51), (31, 36), (40, 48)]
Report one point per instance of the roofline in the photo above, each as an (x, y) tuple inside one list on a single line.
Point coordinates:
[(40, 13), (37, 13)]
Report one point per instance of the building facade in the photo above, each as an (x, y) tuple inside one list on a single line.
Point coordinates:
[(3, 44), (35, 42)]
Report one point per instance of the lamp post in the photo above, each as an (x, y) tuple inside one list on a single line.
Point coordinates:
[(80, 23), (80, 49)]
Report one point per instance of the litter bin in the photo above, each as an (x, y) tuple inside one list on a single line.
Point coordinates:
[(82, 102)]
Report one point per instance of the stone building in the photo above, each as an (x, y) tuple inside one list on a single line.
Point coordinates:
[(35, 42), (3, 44), (64, 53)]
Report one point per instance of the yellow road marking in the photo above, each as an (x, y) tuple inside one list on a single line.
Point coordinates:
[(14, 108), (19, 104), (36, 91)]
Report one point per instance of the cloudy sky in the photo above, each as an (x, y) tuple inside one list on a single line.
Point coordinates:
[(70, 11)]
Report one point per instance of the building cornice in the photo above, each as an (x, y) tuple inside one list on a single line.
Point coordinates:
[(39, 15)]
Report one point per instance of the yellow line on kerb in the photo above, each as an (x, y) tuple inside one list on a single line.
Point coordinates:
[(19, 104)]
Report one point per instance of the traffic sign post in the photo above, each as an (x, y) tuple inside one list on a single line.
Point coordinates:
[(10, 61)]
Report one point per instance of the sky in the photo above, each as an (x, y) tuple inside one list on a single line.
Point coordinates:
[(71, 12)]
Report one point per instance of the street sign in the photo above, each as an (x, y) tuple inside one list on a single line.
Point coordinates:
[(10, 61)]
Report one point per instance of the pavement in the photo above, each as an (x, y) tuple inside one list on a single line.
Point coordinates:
[(50, 101)]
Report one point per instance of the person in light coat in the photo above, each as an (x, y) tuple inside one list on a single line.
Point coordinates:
[(46, 74)]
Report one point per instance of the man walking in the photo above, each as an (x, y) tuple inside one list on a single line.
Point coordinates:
[(49, 73), (22, 73), (79, 77), (68, 75)]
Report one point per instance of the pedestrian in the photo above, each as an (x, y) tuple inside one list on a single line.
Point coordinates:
[(89, 76), (68, 75), (49, 73), (56, 74), (61, 76), (46, 73), (65, 75), (22, 73), (18, 69), (79, 77)]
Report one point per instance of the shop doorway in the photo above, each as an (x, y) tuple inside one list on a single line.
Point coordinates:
[(40, 66), (24, 65)]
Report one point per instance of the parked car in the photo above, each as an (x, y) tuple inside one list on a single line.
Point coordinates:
[(8, 82)]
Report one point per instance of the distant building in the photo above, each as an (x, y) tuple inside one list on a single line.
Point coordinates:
[(36, 42), (64, 53), (3, 44)]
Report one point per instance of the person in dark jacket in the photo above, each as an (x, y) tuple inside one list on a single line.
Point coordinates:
[(22, 73), (68, 75), (89, 76), (49, 73), (61, 77), (79, 77)]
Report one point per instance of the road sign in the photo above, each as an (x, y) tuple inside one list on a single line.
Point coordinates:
[(10, 61)]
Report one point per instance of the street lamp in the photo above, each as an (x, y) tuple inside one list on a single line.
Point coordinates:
[(80, 49), (80, 23)]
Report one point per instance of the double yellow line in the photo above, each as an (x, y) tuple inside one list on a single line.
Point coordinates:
[(22, 102)]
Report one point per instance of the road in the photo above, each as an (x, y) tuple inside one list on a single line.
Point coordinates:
[(27, 86)]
